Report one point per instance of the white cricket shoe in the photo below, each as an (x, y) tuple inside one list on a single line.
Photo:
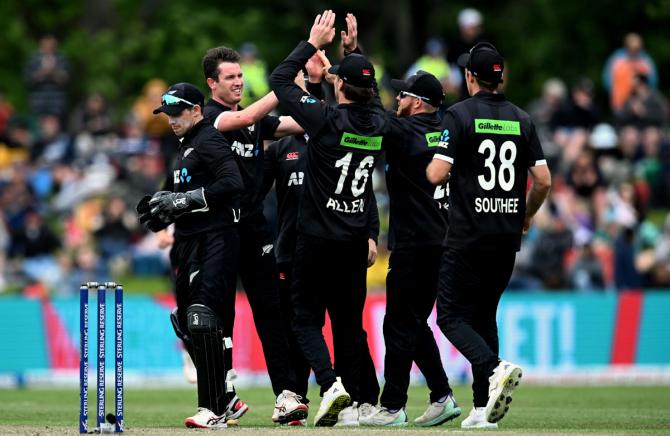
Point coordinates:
[(334, 400), (190, 372), (505, 379), (205, 418), (349, 416), (366, 410), (477, 419), (438, 412), (384, 417), (288, 408)]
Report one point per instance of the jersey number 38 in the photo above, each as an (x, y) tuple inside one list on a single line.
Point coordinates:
[(506, 169)]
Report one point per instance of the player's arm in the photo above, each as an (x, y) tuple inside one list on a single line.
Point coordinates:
[(439, 168), (438, 171), (220, 160), (538, 192), (233, 120), (541, 178), (288, 126), (306, 110)]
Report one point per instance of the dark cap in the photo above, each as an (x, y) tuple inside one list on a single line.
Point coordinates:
[(355, 70), (423, 85), (484, 62), (180, 96)]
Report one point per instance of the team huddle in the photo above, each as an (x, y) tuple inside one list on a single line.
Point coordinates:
[(459, 204)]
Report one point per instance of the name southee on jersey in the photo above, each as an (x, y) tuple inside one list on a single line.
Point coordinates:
[(490, 143)]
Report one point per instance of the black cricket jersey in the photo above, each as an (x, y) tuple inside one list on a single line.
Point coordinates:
[(344, 144), (285, 166), (247, 143), (285, 162), (491, 143), (418, 210), (205, 160)]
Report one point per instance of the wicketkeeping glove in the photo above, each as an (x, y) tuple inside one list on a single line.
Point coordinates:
[(172, 205), (153, 223)]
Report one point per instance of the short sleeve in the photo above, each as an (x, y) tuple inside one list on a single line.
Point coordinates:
[(449, 138), (535, 153), (268, 126)]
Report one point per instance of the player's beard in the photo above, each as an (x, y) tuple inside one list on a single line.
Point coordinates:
[(403, 110)]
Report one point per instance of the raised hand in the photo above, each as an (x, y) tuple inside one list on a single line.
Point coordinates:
[(350, 37), (315, 68), (330, 78), (323, 30)]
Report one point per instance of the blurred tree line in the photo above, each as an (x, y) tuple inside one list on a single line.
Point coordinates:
[(115, 46)]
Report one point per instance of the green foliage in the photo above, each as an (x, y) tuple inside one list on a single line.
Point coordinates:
[(115, 46)]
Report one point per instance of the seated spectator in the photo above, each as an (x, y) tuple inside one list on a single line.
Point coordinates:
[(91, 116), (543, 111), (53, 145), (626, 275), (552, 243), (586, 273), (35, 246), (645, 107), (114, 229), (573, 121), (15, 147)]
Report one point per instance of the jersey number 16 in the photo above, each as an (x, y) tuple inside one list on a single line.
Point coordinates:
[(360, 176)]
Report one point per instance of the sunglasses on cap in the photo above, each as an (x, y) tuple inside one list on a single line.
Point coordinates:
[(170, 100), (404, 94)]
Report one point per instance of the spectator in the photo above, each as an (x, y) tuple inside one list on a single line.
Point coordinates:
[(255, 74), (35, 244), (573, 121), (46, 75), (623, 65), (586, 274), (91, 116), (470, 32), (15, 149), (543, 111), (553, 242), (626, 276), (661, 271), (114, 229), (6, 111), (53, 145), (154, 126), (433, 61), (644, 107)]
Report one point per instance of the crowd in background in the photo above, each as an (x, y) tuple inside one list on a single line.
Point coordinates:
[(70, 175)]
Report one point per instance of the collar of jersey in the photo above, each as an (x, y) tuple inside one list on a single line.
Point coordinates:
[(490, 96), (223, 107), (192, 133)]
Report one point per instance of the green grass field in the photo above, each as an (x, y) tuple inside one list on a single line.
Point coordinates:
[(536, 409)]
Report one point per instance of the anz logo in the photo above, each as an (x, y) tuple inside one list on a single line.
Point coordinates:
[(296, 178), (244, 150), (181, 176)]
